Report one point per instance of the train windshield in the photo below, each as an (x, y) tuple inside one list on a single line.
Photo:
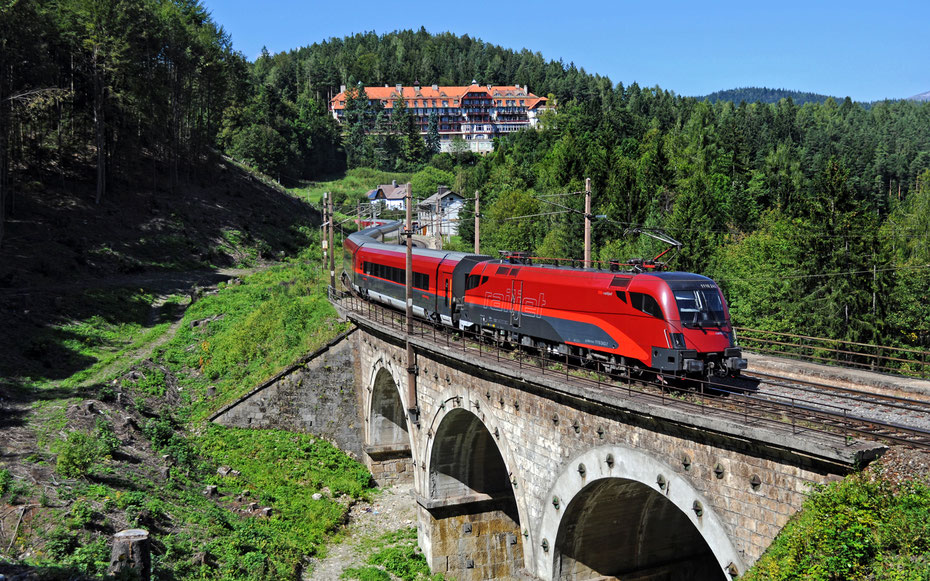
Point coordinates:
[(700, 307)]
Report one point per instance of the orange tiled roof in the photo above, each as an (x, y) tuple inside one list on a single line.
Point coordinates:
[(453, 95)]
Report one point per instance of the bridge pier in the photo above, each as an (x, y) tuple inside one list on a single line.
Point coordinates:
[(472, 538)]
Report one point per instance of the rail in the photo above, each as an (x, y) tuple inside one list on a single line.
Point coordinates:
[(774, 412), (878, 358)]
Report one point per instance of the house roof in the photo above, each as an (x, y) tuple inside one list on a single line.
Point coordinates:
[(440, 195), (388, 192), (454, 95)]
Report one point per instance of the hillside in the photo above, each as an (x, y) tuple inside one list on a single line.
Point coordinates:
[(921, 97), (765, 95), (60, 246)]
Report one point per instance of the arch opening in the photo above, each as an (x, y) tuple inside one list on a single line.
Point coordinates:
[(465, 460), (388, 424), (471, 520), (389, 454), (620, 528)]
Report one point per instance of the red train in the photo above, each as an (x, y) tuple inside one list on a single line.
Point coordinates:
[(675, 323)]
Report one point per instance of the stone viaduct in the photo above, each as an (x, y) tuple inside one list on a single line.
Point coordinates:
[(520, 474)]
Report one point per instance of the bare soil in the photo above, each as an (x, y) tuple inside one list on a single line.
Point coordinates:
[(391, 510)]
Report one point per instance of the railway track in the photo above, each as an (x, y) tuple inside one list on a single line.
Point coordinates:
[(775, 401)]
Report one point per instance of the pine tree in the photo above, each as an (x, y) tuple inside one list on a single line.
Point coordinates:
[(432, 135)]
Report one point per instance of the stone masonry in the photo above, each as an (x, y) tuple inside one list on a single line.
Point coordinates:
[(317, 395), (736, 484)]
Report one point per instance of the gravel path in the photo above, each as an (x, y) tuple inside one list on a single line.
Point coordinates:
[(390, 510)]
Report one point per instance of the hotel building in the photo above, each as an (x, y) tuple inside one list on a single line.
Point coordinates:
[(476, 113)]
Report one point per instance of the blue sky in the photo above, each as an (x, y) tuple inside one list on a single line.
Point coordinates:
[(864, 50)]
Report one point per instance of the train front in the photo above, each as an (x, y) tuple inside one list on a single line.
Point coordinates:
[(702, 339)]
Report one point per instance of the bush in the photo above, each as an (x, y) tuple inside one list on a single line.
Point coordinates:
[(76, 455), (106, 437), (6, 481)]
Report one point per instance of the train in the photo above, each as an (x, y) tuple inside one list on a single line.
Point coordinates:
[(628, 321)]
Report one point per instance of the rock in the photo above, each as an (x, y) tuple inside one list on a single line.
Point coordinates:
[(210, 490), (267, 511), (317, 496), (252, 506), (223, 470), (234, 473)]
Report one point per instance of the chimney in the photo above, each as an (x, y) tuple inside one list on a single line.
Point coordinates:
[(400, 89), (394, 183), (342, 88), (436, 88), (416, 86)]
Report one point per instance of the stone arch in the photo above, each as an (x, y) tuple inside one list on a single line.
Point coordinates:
[(387, 418), (389, 447), (465, 461), (473, 529), (629, 515)]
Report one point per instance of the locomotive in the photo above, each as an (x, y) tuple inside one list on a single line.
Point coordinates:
[(674, 324)]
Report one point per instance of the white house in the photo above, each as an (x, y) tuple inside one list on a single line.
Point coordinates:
[(392, 195), (439, 213)]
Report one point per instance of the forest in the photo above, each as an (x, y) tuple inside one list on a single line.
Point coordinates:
[(814, 218)]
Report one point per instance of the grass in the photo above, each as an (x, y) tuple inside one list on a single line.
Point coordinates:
[(393, 555), (231, 341), (348, 188), (254, 330), (98, 328)]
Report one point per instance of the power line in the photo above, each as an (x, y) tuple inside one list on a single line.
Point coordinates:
[(826, 274)]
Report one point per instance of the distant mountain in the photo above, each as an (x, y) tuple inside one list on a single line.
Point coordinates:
[(765, 95), (920, 97)]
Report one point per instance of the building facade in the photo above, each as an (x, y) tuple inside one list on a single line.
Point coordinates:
[(476, 113), (438, 215)]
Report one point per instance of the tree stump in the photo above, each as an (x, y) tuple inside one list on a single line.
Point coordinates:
[(131, 553)]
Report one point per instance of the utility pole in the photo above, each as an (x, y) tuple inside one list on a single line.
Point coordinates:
[(412, 410), (324, 235), (587, 223), (332, 245), (437, 225), (477, 222)]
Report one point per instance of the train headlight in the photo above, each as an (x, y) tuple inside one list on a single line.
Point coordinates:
[(678, 340)]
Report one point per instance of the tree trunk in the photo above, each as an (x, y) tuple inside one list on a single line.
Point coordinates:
[(131, 553), (99, 129)]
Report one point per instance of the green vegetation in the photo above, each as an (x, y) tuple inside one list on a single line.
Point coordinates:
[(249, 331), (96, 329), (819, 208), (350, 188), (395, 553), (863, 527)]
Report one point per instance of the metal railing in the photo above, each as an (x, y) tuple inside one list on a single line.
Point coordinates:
[(878, 358), (775, 412)]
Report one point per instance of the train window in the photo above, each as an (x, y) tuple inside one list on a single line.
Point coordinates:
[(474, 280), (514, 271), (646, 303), (420, 281), (621, 295), (503, 270), (700, 307)]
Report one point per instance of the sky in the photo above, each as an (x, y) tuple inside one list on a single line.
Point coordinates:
[(864, 50)]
